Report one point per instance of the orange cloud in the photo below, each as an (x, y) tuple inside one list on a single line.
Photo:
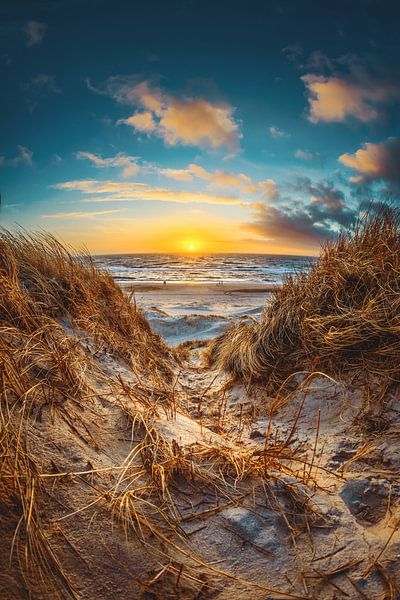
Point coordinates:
[(116, 191), (79, 214), (143, 122), (375, 161), (188, 121), (221, 179), (127, 163), (196, 122), (335, 99), (150, 99), (177, 174), (266, 188)]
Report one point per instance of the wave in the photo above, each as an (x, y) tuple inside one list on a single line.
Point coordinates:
[(202, 268)]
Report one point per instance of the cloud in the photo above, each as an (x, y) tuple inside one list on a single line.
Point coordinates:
[(43, 84), (277, 133), (348, 89), (294, 227), (220, 179), (308, 156), (142, 122), (34, 32), (335, 100), (304, 154), (79, 214), (267, 189), (197, 122), (325, 202), (114, 191), (199, 171), (188, 121), (24, 157), (177, 174), (318, 61), (128, 163), (303, 224), (293, 52), (375, 161)]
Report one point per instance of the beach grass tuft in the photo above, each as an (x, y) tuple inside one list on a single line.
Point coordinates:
[(341, 317)]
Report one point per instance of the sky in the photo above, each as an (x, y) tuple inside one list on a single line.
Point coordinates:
[(195, 125)]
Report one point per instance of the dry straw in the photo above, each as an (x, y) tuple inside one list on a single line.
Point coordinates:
[(58, 314), (342, 316)]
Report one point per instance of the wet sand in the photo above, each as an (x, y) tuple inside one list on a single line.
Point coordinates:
[(198, 294), (183, 311)]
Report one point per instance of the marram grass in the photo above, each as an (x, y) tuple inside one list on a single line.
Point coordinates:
[(341, 317)]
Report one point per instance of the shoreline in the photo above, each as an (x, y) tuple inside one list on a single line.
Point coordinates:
[(188, 287), (183, 311)]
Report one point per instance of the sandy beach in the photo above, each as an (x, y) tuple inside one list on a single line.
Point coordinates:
[(249, 466), (185, 311)]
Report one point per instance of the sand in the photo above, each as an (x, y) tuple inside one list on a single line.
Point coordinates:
[(323, 523), (186, 311), (323, 539)]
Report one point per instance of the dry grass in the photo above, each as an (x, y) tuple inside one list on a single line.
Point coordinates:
[(54, 306), (342, 317), (48, 280), (42, 284)]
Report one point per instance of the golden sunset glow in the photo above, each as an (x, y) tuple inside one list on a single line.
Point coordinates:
[(192, 247)]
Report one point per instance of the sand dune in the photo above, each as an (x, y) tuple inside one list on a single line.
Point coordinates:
[(130, 468)]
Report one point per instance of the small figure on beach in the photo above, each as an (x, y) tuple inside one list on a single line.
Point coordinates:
[(164, 282)]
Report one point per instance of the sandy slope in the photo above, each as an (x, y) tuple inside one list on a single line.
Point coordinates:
[(252, 498), (348, 487), (348, 505)]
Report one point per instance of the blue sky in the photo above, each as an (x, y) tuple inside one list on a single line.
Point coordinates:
[(229, 126)]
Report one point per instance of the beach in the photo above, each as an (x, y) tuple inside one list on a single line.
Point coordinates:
[(169, 440), (183, 311)]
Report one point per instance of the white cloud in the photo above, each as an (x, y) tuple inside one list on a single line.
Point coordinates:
[(277, 133)]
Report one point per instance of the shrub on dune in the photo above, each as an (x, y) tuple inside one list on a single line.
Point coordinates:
[(341, 317), (45, 292), (56, 282)]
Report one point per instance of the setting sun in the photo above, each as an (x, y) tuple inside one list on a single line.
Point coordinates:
[(191, 247)]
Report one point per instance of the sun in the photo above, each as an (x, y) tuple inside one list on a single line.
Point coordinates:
[(191, 247)]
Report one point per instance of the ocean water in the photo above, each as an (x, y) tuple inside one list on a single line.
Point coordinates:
[(202, 268)]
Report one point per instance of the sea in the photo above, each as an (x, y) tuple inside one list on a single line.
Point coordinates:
[(203, 268)]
